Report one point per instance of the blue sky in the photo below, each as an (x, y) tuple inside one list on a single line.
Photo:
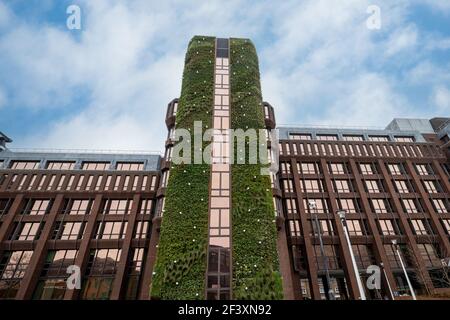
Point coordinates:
[(107, 85)]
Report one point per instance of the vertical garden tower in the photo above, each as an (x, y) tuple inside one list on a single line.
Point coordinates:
[(218, 236)]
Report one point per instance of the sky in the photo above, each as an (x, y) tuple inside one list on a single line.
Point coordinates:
[(107, 85)]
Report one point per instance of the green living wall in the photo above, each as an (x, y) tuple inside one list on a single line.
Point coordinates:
[(255, 260), (180, 266)]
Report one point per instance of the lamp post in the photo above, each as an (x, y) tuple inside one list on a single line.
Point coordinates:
[(341, 215), (394, 243), (313, 207), (387, 281)]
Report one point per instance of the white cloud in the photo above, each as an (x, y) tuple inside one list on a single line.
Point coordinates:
[(5, 15), (441, 98), (427, 72), (3, 98), (369, 100), (319, 64), (127, 62), (441, 6), (402, 39)]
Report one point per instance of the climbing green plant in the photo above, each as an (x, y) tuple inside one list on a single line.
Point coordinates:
[(180, 266), (255, 261)]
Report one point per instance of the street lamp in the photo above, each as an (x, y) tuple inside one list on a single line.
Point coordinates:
[(341, 215), (396, 246), (387, 280), (313, 207)]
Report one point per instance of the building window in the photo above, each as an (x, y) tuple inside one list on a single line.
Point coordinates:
[(300, 136), (95, 166), (285, 168), (294, 228), (423, 169), (363, 255), (277, 207), (446, 224), (402, 186), (274, 181), (141, 230), (126, 183), (61, 182), (311, 185), (134, 273), (171, 134), (26, 231), (308, 168), (11, 182), (41, 182), (341, 186), (354, 228), (419, 227), (168, 154), (60, 165), (440, 206), (165, 178), (65, 230), (52, 182), (160, 206), (37, 207), (387, 227), (367, 168), (337, 168), (404, 139), (130, 166), (429, 255), (348, 205), (3, 178), (332, 257), (379, 138), (117, 206), (31, 183), (175, 108), (431, 186), (152, 184), (266, 111), (80, 183), (321, 206), (379, 205), (22, 182), (288, 185), (144, 183), (146, 207), (5, 204), (101, 270), (70, 183), (77, 206), (326, 227), (409, 205), (134, 184), (24, 165), (219, 278), (392, 256), (326, 137), (353, 137), (108, 183), (288, 149), (395, 169), (111, 230), (98, 183), (373, 186), (291, 206), (52, 283), (13, 265)]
